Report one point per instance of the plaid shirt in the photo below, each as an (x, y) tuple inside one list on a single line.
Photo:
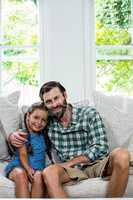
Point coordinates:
[(85, 135)]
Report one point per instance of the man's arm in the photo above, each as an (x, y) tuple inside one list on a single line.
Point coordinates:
[(97, 141), (77, 160), (17, 139), (97, 138)]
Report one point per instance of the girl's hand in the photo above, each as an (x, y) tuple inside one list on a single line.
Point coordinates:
[(30, 173)]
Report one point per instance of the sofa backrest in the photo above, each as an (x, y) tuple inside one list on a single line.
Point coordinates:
[(117, 113)]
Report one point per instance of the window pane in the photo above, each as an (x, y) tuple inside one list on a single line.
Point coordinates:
[(21, 76), (115, 76), (114, 50), (20, 22), (19, 48)]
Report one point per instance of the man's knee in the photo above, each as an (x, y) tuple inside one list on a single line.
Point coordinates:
[(120, 158), (51, 173)]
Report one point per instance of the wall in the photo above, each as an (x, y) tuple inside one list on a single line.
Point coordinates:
[(67, 38)]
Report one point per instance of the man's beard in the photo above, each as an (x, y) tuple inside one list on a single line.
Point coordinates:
[(58, 115)]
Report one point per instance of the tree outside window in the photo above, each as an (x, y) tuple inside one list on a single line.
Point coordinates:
[(19, 40), (114, 46)]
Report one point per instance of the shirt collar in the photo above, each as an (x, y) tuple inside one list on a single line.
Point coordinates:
[(74, 115)]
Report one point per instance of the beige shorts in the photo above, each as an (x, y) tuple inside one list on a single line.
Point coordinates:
[(99, 168)]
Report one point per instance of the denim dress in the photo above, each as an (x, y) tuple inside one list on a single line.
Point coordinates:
[(36, 158)]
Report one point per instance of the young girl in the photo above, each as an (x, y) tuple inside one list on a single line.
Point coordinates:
[(29, 160)]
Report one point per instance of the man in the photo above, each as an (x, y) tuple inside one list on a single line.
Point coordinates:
[(79, 138)]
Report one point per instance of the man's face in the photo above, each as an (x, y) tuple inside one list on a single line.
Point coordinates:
[(55, 102)]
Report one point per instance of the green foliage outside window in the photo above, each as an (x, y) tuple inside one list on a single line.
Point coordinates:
[(23, 72), (20, 25), (113, 22), (114, 12)]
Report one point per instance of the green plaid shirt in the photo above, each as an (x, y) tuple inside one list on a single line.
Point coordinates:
[(85, 135)]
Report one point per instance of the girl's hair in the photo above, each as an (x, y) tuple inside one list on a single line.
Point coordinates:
[(31, 109)]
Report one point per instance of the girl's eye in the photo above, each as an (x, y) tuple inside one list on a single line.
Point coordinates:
[(35, 117)]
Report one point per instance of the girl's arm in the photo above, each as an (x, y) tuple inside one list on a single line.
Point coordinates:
[(24, 161), (24, 157)]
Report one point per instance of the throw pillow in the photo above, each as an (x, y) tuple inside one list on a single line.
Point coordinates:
[(23, 110), (9, 112), (118, 113), (81, 103), (3, 146), (129, 146)]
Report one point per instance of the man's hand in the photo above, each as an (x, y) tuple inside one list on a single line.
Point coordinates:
[(66, 164), (17, 138), (77, 160)]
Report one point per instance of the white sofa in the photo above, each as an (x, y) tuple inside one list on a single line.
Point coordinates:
[(117, 113)]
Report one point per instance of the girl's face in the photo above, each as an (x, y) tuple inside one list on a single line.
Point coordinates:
[(37, 120)]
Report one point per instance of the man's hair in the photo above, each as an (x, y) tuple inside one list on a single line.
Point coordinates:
[(46, 87)]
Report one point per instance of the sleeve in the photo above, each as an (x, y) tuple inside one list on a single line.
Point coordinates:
[(98, 142)]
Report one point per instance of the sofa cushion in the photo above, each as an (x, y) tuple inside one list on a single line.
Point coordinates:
[(117, 112), (129, 146), (90, 188), (23, 110), (4, 155), (9, 112), (7, 189), (9, 120), (93, 187)]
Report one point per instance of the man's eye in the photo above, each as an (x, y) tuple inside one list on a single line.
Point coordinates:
[(48, 102), (56, 98)]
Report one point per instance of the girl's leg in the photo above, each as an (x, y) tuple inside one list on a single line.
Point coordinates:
[(38, 189), (19, 176)]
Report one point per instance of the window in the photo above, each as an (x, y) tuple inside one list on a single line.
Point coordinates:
[(19, 48), (114, 46)]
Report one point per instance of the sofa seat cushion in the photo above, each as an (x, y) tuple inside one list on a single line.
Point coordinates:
[(94, 187), (6, 188)]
